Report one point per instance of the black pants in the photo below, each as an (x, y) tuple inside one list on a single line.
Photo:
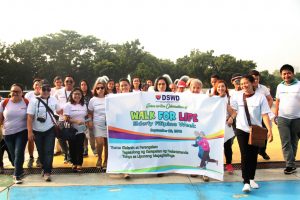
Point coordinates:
[(248, 156), (228, 150), (76, 149), (3, 148)]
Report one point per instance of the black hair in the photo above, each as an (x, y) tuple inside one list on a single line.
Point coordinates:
[(36, 80), (249, 78), (215, 76), (57, 78), (140, 85), (88, 92), (254, 73), (114, 90), (124, 79), (71, 100), (70, 76), (18, 85), (287, 67)]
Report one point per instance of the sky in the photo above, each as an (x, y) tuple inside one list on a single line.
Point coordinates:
[(265, 31)]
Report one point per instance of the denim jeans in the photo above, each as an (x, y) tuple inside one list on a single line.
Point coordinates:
[(288, 130), (16, 144), (3, 148), (44, 142)]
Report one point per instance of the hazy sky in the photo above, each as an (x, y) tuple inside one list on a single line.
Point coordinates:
[(265, 31)]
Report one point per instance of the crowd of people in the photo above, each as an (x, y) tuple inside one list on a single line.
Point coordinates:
[(29, 119)]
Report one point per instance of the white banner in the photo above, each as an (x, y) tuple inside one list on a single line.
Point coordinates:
[(150, 133)]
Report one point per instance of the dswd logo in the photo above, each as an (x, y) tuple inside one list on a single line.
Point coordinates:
[(167, 97)]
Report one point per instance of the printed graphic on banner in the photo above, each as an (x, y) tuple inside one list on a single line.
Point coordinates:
[(165, 133)]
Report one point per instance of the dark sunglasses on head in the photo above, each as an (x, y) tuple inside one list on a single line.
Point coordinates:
[(46, 89), (237, 81), (98, 88)]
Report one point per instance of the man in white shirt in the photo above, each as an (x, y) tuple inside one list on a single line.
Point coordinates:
[(265, 91), (213, 79), (62, 96), (287, 112)]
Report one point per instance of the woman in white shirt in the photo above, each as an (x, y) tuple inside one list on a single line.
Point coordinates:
[(13, 118), (96, 109), (41, 127), (75, 112), (258, 110)]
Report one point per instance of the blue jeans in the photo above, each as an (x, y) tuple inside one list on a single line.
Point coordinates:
[(16, 144), (44, 142)]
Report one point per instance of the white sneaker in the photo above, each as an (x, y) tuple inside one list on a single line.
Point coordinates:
[(246, 188), (253, 184)]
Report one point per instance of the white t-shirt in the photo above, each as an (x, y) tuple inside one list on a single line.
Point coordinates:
[(289, 96), (263, 90), (210, 91), (257, 105), (62, 97), (54, 90), (76, 112), (97, 106), (30, 95), (15, 118), (38, 109)]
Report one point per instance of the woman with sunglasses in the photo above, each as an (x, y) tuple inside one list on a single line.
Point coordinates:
[(97, 111), (13, 118), (75, 112), (41, 127)]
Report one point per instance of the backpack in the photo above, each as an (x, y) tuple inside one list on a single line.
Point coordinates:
[(6, 100)]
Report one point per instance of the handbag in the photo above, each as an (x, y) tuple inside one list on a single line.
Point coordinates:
[(68, 132), (53, 117), (258, 135)]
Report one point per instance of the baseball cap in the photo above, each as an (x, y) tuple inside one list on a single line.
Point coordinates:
[(181, 84)]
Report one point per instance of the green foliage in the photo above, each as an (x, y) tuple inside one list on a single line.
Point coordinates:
[(87, 57)]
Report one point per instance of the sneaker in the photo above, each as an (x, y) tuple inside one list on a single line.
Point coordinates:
[(265, 156), (38, 163), (79, 168), (47, 177), (246, 187), (126, 176), (253, 184), (229, 168), (17, 180), (290, 170), (30, 162), (205, 178)]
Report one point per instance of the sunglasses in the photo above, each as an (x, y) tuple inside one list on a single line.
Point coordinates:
[(46, 89), (69, 81), (98, 88)]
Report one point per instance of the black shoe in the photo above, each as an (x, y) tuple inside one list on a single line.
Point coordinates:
[(265, 156), (290, 170)]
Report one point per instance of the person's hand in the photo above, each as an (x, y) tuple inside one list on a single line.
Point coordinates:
[(229, 121), (276, 120), (270, 136)]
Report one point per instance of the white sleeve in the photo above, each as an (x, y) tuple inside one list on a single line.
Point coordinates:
[(91, 105), (233, 101), (264, 106), (277, 92), (1, 107), (67, 109), (32, 107)]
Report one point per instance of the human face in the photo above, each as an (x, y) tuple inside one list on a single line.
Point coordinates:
[(246, 86), (256, 82), (221, 89), (161, 85), (16, 93), (180, 89), (195, 88), (117, 86), (213, 81), (110, 85), (236, 84), (76, 95), (136, 83), (45, 91), (37, 87), (100, 88), (69, 83), (287, 76), (149, 82), (83, 86), (172, 87), (124, 87), (58, 83)]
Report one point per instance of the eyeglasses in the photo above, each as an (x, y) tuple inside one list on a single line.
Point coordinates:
[(237, 81), (98, 88), (69, 81), (15, 91), (46, 89)]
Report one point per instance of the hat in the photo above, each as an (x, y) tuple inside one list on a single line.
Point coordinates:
[(181, 84), (236, 76), (45, 83)]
